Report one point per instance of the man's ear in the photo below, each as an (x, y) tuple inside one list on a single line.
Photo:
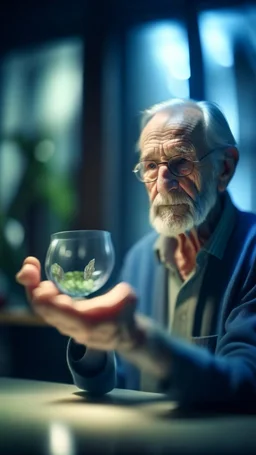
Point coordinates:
[(228, 167)]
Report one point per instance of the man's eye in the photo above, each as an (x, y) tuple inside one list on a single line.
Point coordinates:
[(150, 166), (182, 166)]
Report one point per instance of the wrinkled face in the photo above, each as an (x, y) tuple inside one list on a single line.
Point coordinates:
[(177, 204)]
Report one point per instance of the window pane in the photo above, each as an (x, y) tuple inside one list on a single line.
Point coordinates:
[(228, 38), (158, 68)]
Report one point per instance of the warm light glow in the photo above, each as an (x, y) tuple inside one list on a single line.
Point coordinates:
[(61, 440)]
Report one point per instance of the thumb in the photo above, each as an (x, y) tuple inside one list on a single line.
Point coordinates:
[(30, 275)]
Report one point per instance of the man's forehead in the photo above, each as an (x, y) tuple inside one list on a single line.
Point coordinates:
[(174, 123)]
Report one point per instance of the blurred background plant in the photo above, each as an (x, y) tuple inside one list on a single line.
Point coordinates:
[(40, 150), (41, 185)]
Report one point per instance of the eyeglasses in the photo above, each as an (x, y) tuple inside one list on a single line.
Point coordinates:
[(147, 171)]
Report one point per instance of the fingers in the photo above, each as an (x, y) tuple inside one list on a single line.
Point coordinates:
[(30, 275), (103, 308), (95, 321), (58, 311), (33, 261), (45, 291), (30, 263), (41, 297), (61, 314), (118, 301)]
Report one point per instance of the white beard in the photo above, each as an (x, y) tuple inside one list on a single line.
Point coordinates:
[(168, 217)]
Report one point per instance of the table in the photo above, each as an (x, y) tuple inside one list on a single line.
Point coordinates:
[(58, 419)]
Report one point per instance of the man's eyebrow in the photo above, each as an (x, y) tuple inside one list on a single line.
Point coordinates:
[(151, 155), (183, 151), (189, 153)]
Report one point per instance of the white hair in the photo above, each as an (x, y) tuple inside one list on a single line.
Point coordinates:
[(217, 130)]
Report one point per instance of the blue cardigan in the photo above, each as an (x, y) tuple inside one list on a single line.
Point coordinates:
[(226, 375)]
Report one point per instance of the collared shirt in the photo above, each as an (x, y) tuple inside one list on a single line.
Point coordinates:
[(183, 295)]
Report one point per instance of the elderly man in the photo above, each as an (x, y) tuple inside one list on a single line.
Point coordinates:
[(183, 319)]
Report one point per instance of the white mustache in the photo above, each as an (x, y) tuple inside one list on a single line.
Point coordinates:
[(171, 199)]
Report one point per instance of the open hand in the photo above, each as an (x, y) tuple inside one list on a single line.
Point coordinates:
[(106, 322)]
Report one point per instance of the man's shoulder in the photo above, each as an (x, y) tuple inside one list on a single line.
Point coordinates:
[(247, 222), (250, 217), (243, 239)]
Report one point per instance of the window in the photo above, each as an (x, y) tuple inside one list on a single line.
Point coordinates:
[(158, 68), (40, 150), (228, 42)]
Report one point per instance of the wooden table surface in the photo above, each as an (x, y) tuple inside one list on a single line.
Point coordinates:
[(58, 419)]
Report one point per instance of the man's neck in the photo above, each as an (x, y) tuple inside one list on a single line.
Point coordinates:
[(189, 244)]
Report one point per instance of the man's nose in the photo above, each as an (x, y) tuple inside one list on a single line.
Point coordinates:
[(166, 181)]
